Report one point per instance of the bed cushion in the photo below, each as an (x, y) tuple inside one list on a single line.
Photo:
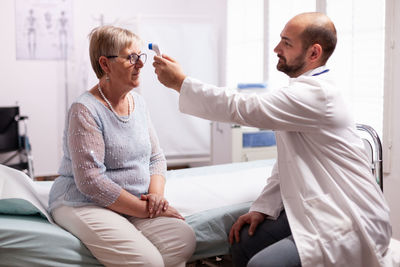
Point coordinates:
[(34, 241), (16, 188), (16, 206)]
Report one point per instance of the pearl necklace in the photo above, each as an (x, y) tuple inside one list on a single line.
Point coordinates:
[(113, 111)]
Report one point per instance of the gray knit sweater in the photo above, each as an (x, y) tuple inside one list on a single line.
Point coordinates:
[(102, 154)]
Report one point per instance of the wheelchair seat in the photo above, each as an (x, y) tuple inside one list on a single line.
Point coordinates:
[(15, 148)]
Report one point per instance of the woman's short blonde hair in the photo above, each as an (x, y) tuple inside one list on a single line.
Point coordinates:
[(108, 41)]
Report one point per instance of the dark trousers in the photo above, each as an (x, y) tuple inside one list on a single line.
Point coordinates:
[(272, 244)]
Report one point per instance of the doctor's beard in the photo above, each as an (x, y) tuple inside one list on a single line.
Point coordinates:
[(291, 69)]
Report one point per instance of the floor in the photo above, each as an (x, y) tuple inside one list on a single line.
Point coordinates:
[(223, 261)]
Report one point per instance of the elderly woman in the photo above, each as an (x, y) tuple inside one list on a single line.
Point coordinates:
[(110, 193)]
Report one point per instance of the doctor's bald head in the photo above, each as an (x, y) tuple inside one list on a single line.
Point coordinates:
[(307, 42), (318, 29)]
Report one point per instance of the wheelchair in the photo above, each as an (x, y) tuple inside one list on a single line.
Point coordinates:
[(15, 148)]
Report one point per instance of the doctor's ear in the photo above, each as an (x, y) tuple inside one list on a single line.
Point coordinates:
[(316, 52)]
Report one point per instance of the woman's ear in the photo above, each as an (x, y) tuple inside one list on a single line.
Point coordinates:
[(316, 52), (103, 61)]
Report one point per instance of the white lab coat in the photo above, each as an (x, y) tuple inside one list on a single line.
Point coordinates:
[(336, 210)]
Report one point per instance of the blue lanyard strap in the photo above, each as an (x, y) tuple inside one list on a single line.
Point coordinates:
[(319, 73)]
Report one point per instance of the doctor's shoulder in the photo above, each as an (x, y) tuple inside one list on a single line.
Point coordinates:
[(306, 89)]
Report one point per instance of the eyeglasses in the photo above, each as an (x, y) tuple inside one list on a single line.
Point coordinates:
[(134, 58)]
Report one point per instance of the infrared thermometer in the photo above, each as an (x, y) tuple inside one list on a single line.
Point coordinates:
[(155, 48)]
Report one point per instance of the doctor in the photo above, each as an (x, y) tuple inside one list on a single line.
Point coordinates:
[(322, 206)]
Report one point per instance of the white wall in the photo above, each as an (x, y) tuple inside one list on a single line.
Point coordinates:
[(39, 86), (391, 134)]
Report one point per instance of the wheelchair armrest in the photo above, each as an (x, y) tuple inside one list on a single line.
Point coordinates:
[(21, 118)]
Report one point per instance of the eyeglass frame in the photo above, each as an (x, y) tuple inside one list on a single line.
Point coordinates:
[(131, 56)]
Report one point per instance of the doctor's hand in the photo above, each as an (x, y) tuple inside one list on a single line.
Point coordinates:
[(156, 204), (169, 72), (253, 218)]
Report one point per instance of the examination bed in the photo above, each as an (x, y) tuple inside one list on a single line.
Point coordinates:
[(210, 198)]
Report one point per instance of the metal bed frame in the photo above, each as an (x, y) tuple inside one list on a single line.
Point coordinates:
[(376, 152)]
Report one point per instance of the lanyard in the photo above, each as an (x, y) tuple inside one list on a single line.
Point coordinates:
[(319, 73)]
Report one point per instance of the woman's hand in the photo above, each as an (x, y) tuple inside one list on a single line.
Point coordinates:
[(172, 212), (156, 204)]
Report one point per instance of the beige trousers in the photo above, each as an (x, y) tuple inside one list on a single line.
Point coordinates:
[(118, 241)]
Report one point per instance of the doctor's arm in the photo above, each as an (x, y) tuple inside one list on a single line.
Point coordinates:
[(267, 205), (300, 107), (269, 202)]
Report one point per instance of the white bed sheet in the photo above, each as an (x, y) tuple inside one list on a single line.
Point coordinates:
[(217, 186), (208, 187)]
